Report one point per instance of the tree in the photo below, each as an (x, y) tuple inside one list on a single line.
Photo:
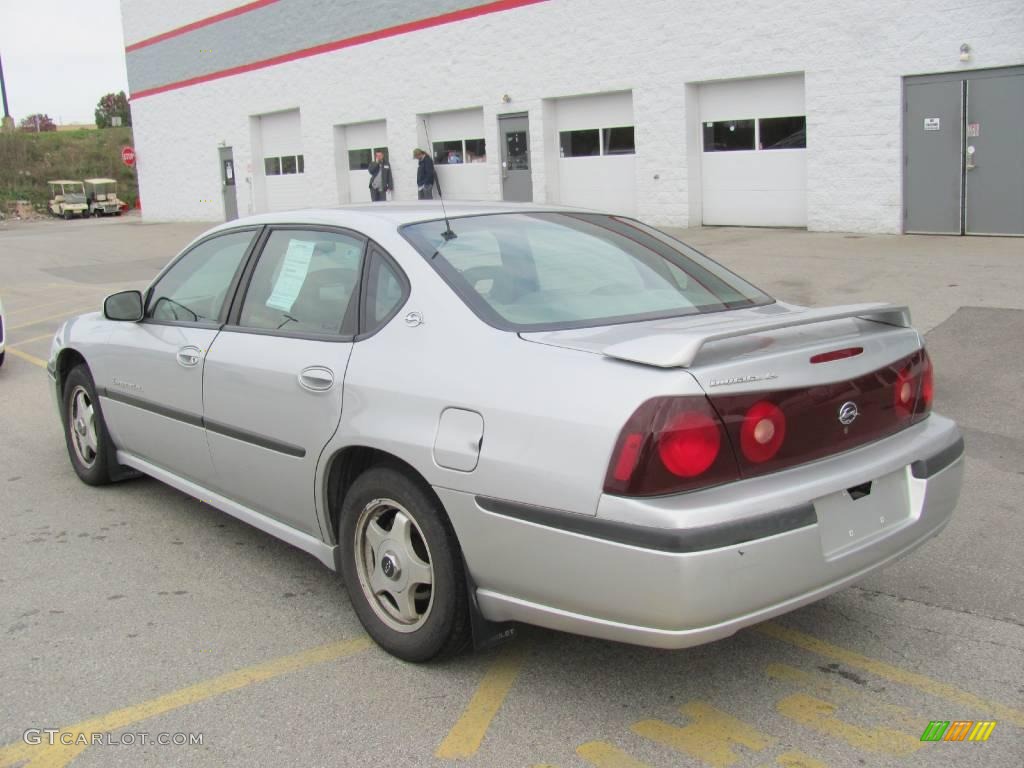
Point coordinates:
[(38, 122), (113, 105)]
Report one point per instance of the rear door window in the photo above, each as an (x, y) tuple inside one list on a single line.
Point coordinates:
[(304, 282)]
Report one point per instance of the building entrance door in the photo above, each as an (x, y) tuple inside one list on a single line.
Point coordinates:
[(516, 183), (964, 153), (227, 183)]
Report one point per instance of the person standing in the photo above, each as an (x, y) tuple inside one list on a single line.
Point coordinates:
[(424, 174), (380, 178)]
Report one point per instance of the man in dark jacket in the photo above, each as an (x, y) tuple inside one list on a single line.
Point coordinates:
[(380, 178), (424, 175)]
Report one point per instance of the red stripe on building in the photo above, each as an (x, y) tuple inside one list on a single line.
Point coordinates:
[(348, 42), (199, 24)]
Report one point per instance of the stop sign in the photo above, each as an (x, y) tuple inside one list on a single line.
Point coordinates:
[(128, 156)]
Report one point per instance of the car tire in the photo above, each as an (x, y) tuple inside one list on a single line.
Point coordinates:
[(85, 432), (403, 566), (2, 355)]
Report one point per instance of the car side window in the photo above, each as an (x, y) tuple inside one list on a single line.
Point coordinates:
[(304, 282), (194, 289), (385, 292)]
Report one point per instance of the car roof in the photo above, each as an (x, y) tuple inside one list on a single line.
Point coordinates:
[(64, 181), (393, 214), (101, 181)]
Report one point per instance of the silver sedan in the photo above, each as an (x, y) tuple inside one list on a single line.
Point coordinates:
[(517, 414)]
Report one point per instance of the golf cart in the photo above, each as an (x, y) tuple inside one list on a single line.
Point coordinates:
[(102, 197), (67, 199)]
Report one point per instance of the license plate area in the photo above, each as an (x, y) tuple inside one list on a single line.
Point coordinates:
[(868, 510)]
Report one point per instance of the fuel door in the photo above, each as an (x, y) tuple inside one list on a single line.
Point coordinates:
[(460, 433)]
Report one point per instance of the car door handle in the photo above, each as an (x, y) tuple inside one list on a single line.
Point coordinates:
[(316, 378), (189, 356)]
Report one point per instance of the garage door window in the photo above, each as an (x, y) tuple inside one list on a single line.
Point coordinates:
[(585, 143), (728, 135), (289, 164), (619, 141), (360, 159), (782, 132), (456, 152)]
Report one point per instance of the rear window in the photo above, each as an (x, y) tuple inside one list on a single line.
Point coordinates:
[(545, 271)]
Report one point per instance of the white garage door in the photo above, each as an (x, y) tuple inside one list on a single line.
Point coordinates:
[(596, 151), (354, 148), (460, 153), (753, 159), (282, 163)]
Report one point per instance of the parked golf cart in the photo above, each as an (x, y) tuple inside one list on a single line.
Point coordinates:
[(67, 199), (102, 197)]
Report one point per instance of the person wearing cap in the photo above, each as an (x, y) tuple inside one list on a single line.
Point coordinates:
[(424, 174), (380, 178)]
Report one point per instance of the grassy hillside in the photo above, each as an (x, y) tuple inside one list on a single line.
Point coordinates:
[(29, 160)]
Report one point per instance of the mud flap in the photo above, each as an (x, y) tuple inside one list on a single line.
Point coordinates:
[(486, 633)]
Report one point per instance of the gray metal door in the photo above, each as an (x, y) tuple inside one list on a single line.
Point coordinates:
[(227, 181), (516, 183), (994, 160), (933, 157)]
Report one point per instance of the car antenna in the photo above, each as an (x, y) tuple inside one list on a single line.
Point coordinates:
[(447, 234)]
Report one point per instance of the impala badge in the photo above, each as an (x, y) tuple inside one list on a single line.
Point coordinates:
[(848, 412)]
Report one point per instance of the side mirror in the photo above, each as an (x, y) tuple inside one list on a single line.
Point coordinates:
[(126, 305)]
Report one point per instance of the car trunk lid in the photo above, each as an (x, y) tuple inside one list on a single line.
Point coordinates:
[(790, 384)]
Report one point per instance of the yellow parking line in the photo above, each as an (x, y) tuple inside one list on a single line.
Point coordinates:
[(61, 316), (605, 755), (27, 357), (897, 675), (465, 737), (61, 755), (29, 341)]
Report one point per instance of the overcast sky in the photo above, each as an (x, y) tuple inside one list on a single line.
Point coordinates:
[(61, 56)]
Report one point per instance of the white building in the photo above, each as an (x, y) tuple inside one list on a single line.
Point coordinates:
[(852, 116)]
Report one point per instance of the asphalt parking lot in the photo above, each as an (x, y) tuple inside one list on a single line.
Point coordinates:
[(133, 609)]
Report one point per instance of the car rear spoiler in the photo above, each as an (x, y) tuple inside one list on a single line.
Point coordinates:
[(681, 348)]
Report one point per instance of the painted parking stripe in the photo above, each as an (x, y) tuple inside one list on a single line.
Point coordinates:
[(828, 687), (61, 755), (466, 736), (710, 736), (27, 357), (22, 342), (820, 716), (895, 674), (605, 755), (61, 316)]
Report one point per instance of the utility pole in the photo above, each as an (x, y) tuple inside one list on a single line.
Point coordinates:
[(8, 121)]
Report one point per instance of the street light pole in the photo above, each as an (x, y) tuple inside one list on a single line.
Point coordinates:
[(8, 121)]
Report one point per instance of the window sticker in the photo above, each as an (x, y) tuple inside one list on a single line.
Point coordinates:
[(293, 273)]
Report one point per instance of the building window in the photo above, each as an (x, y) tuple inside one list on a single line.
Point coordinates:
[(782, 132), (360, 159), (585, 143), (276, 166), (460, 151), (476, 151), (618, 141), (728, 135)]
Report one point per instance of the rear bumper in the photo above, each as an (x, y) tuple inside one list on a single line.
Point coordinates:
[(710, 563)]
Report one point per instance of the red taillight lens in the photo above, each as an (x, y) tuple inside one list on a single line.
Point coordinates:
[(927, 393), (669, 445), (904, 391), (690, 444), (762, 432)]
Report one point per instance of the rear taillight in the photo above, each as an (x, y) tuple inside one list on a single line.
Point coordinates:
[(670, 444), (926, 392), (762, 431)]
